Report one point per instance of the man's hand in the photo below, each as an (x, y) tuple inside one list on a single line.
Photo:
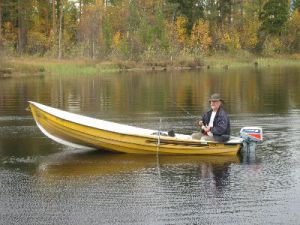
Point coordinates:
[(200, 123), (206, 129)]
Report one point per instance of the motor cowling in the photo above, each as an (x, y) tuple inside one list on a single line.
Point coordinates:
[(251, 136)]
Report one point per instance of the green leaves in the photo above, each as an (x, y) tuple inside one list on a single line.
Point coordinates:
[(274, 16)]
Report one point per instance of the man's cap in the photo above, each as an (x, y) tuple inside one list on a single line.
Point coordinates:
[(215, 97)]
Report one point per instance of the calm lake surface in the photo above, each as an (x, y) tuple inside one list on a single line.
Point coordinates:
[(42, 182)]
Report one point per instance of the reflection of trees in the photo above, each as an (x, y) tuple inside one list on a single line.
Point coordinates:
[(248, 90), (183, 171)]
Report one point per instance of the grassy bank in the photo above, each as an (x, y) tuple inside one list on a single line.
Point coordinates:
[(32, 66), (29, 66), (227, 61)]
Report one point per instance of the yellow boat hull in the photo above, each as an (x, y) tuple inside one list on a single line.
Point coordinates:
[(60, 128)]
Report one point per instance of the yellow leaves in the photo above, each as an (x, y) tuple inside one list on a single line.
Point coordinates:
[(248, 35), (9, 36), (200, 35), (293, 31), (117, 16), (37, 41), (181, 31), (9, 32), (231, 40), (272, 45), (117, 39), (277, 43), (296, 19)]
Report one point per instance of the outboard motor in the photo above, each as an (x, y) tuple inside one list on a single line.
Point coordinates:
[(251, 136)]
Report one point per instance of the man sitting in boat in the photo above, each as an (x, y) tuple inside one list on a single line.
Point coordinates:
[(215, 124)]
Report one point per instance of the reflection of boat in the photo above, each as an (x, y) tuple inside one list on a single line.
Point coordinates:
[(81, 131), (93, 163)]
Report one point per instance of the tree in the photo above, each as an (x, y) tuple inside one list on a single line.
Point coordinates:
[(274, 16), (159, 28), (200, 36), (107, 34), (292, 36), (60, 31), (225, 11), (102, 28), (145, 31), (296, 5), (53, 16), (40, 35), (159, 25), (193, 10), (89, 33), (248, 34), (181, 24), (22, 9), (133, 17), (1, 44), (212, 11)]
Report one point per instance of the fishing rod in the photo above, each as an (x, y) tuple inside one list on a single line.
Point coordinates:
[(182, 109), (199, 118), (171, 132)]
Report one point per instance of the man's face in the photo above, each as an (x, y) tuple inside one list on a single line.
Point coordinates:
[(215, 105)]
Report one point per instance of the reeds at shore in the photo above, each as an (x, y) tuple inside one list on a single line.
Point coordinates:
[(35, 66)]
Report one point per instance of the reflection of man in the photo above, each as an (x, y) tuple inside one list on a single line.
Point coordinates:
[(215, 123)]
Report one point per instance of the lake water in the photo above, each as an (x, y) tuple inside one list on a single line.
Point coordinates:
[(42, 182)]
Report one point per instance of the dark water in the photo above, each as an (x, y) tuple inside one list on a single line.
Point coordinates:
[(42, 182)]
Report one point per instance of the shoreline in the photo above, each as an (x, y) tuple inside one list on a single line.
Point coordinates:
[(39, 66)]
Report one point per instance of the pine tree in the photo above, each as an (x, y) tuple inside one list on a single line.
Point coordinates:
[(225, 10), (274, 16)]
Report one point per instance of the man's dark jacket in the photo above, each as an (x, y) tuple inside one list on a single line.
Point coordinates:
[(221, 125)]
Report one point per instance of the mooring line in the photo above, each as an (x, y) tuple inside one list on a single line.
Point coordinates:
[(158, 138), (158, 144)]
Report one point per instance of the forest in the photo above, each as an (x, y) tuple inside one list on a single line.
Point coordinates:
[(148, 30)]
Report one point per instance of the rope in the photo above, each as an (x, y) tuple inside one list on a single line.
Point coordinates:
[(158, 138)]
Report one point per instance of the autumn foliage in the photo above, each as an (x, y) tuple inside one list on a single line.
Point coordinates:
[(140, 30), (200, 37)]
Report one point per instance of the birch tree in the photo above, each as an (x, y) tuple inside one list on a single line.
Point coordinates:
[(60, 31)]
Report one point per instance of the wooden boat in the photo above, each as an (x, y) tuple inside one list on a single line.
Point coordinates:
[(84, 132)]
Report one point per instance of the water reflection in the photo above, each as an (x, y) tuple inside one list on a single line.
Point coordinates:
[(249, 91), (249, 157), (97, 163), (43, 182), (172, 174)]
